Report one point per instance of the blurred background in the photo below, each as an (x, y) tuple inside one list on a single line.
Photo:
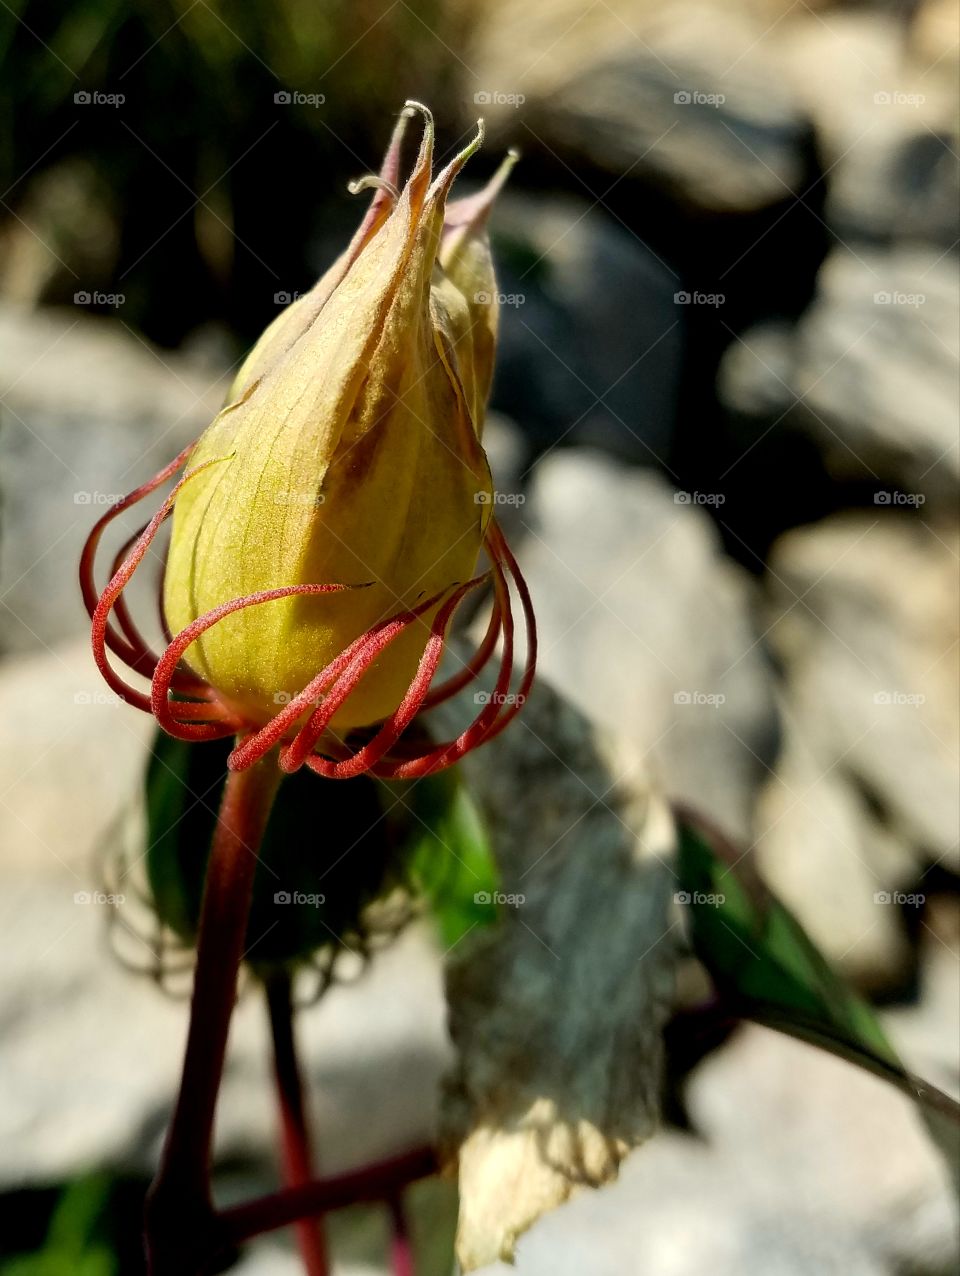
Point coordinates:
[(724, 435)]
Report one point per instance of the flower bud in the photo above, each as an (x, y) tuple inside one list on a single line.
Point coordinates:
[(350, 454)]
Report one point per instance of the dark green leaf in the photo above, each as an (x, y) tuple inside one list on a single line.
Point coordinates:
[(446, 853), (766, 968)]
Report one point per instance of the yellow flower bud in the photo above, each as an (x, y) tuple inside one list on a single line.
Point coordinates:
[(328, 523), (350, 454)]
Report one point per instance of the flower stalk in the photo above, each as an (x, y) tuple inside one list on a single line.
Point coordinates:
[(180, 1220), (295, 1136)]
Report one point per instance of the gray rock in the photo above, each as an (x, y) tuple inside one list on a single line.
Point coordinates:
[(863, 620), (807, 1165), (92, 1052), (89, 411), (647, 627), (894, 188), (682, 98), (882, 92), (585, 303), (870, 373)]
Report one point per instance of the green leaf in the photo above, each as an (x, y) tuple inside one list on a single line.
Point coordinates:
[(330, 848), (74, 1244), (446, 851), (325, 855), (766, 968)]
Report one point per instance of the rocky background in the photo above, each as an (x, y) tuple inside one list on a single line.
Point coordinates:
[(725, 443)]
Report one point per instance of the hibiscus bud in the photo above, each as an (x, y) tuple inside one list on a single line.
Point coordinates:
[(328, 523), (468, 267), (351, 456)]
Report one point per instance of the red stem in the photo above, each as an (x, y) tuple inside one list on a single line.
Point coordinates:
[(297, 1167), (401, 1249), (181, 1226), (370, 1183)]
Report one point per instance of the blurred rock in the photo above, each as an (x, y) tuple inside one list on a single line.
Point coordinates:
[(647, 628), (678, 96), (870, 372), (585, 303), (89, 411), (885, 121), (557, 1015), (899, 187), (807, 1166), (864, 621), (92, 1052)]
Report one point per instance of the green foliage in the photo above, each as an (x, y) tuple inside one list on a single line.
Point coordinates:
[(447, 854), (212, 194), (75, 1244), (766, 968), (330, 849)]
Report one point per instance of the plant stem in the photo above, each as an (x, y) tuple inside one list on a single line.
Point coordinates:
[(182, 1233), (369, 1183), (297, 1159), (401, 1250)]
